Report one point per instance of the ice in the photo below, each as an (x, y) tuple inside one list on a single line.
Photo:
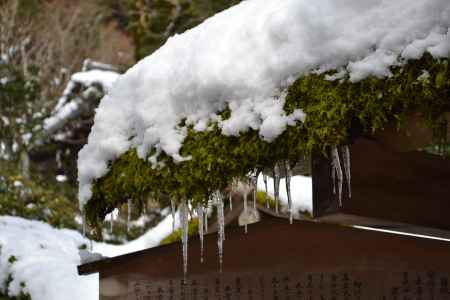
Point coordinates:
[(276, 185), (184, 220), (266, 190), (172, 210), (337, 172), (254, 181), (111, 223), (230, 195), (347, 169), (221, 232), (288, 189), (205, 213), (200, 228), (83, 218), (245, 210), (129, 208)]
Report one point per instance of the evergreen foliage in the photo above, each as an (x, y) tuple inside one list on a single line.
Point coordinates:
[(21, 110), (333, 108), (152, 22), (37, 199)]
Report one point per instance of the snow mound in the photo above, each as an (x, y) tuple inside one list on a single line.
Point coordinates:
[(301, 191), (152, 238), (243, 58), (43, 258)]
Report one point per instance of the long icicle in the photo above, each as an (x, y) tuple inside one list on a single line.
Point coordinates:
[(111, 221), (200, 228), (333, 175), (265, 185), (205, 213), (184, 220), (172, 210), (347, 169), (83, 220), (245, 210), (338, 169), (288, 189), (129, 205), (221, 233), (276, 185), (230, 195), (255, 186)]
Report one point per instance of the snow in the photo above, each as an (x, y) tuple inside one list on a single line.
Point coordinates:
[(46, 261), (47, 258), (150, 239), (244, 58), (301, 192), (65, 109), (104, 78)]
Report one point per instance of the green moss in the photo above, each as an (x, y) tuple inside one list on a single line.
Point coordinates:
[(334, 110), (262, 198), (176, 235), (216, 159)]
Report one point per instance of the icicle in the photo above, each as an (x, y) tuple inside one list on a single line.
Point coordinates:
[(220, 212), (288, 189), (172, 210), (245, 209), (200, 228), (347, 169), (129, 205), (111, 220), (276, 185), (230, 195), (184, 220), (337, 170), (205, 213), (265, 185), (83, 220), (221, 232), (254, 180), (333, 176)]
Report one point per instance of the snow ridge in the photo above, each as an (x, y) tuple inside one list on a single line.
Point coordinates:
[(243, 58)]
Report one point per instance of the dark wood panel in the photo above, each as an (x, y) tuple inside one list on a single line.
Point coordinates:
[(409, 187), (374, 264)]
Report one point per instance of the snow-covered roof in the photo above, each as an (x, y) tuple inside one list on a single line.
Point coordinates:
[(244, 58), (66, 109)]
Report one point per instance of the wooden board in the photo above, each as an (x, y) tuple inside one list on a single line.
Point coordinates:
[(407, 187), (276, 260)]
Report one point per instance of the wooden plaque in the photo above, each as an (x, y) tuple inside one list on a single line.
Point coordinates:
[(275, 260)]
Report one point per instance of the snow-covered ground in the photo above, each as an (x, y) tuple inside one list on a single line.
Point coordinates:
[(46, 259), (301, 191)]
